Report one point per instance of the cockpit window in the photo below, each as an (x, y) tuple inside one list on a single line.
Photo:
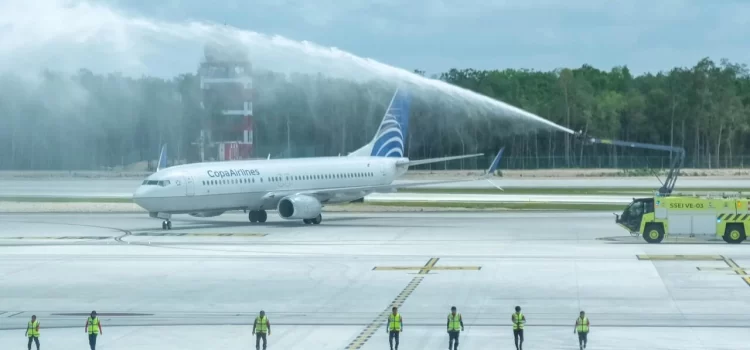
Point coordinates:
[(153, 182), (164, 183)]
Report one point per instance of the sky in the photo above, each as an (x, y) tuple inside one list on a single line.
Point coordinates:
[(164, 38), (435, 35)]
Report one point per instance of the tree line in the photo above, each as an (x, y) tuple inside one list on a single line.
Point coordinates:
[(56, 121)]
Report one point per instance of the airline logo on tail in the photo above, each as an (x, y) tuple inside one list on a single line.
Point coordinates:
[(390, 140)]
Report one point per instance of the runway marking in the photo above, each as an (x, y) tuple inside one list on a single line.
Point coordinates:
[(102, 314), (681, 257), (423, 270), (184, 234), (59, 237), (732, 266), (371, 328)]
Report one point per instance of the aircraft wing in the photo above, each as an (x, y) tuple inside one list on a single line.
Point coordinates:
[(325, 193), (435, 160)]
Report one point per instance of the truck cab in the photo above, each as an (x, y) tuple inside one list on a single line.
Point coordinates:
[(632, 217)]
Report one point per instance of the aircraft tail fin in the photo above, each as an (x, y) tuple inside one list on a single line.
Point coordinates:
[(390, 139), (162, 158)]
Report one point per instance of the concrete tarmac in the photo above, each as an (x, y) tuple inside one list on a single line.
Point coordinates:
[(329, 286)]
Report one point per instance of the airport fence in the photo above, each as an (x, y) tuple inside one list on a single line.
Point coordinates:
[(589, 162)]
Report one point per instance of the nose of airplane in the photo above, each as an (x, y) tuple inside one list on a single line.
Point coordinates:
[(140, 193)]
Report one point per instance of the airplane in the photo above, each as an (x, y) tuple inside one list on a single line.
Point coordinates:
[(297, 188)]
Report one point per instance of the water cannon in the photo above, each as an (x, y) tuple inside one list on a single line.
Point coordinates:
[(677, 158), (580, 135)]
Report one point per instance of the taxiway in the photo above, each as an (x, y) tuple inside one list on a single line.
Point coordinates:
[(329, 286)]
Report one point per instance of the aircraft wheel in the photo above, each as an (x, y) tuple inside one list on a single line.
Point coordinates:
[(252, 216), (307, 221), (262, 216), (169, 224), (317, 219), (164, 225)]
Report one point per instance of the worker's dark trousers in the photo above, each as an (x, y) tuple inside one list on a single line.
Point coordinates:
[(583, 338), (258, 337), (452, 335), (518, 336), (92, 341), (35, 340), (393, 334)]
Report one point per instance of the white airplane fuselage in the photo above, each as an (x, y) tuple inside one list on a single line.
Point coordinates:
[(260, 184)]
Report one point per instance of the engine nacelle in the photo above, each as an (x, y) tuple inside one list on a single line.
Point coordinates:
[(299, 207), (207, 214)]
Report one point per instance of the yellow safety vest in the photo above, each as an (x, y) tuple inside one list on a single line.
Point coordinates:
[(583, 326), (261, 324), (93, 325), (517, 321), (454, 322), (394, 322), (31, 329)]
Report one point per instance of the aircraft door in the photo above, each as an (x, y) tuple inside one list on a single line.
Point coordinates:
[(189, 186)]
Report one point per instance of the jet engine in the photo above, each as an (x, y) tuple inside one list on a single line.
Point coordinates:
[(299, 207), (207, 214)]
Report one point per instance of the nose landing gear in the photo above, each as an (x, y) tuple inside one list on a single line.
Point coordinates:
[(166, 225)]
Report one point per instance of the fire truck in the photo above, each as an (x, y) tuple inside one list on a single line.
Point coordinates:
[(666, 213)]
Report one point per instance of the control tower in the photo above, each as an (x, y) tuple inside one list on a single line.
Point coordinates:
[(227, 85)]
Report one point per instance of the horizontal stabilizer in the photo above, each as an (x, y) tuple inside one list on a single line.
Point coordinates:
[(436, 160)]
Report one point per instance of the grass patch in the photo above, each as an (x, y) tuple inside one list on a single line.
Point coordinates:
[(509, 206), (21, 199), (641, 192)]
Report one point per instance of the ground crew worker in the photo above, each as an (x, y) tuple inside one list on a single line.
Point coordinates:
[(261, 327), (394, 327), (454, 321), (518, 320), (32, 331), (93, 328), (582, 328)]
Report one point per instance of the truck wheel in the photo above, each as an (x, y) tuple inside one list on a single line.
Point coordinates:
[(734, 233), (653, 233)]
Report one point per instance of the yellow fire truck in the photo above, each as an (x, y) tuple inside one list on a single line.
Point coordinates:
[(666, 214), (723, 215)]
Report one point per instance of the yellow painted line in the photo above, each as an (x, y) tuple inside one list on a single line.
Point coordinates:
[(708, 269), (373, 327), (681, 257), (402, 268), (738, 270), (424, 270)]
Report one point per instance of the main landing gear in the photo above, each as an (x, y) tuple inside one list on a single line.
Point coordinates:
[(257, 216), (315, 221), (166, 225)]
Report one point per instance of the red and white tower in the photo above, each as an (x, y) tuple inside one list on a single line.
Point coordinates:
[(227, 85)]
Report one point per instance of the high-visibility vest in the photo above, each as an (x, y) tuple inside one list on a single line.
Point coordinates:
[(394, 322), (583, 324), (517, 320), (93, 325), (31, 329), (454, 322), (261, 324)]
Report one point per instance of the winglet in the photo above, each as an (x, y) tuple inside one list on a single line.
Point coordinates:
[(496, 162), (493, 167), (162, 158)]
